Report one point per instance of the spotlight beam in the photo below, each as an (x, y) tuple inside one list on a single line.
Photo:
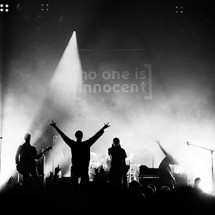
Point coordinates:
[(54, 105)]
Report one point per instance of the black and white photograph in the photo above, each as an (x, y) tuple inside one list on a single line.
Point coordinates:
[(107, 107)]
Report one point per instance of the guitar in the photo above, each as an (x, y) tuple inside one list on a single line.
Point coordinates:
[(23, 167), (44, 151)]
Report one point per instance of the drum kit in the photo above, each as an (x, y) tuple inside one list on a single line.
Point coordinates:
[(99, 170)]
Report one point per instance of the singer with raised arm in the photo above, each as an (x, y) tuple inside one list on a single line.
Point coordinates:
[(166, 177), (80, 151)]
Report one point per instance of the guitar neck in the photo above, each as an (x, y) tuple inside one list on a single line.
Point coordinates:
[(43, 152)]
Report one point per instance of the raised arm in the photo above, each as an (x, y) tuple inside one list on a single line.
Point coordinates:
[(64, 136), (96, 136), (162, 149), (105, 126)]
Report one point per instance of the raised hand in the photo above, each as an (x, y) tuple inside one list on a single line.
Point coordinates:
[(106, 125), (57, 170), (158, 142), (53, 124)]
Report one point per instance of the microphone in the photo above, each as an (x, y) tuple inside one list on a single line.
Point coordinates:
[(188, 143)]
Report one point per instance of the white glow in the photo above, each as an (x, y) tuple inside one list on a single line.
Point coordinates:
[(24, 105), (17, 119), (206, 186), (184, 115), (68, 75), (64, 85)]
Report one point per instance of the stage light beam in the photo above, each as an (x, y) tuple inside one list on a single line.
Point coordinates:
[(25, 113)]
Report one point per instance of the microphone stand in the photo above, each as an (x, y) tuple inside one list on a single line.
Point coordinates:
[(212, 165)]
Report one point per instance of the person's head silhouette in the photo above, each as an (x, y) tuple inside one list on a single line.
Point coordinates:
[(79, 135), (116, 142), (27, 137), (197, 182)]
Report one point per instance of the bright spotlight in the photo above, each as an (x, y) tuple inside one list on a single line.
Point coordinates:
[(44, 7), (59, 98), (4, 7), (206, 186), (67, 80)]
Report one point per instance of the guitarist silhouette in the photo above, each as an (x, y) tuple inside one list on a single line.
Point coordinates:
[(26, 157)]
